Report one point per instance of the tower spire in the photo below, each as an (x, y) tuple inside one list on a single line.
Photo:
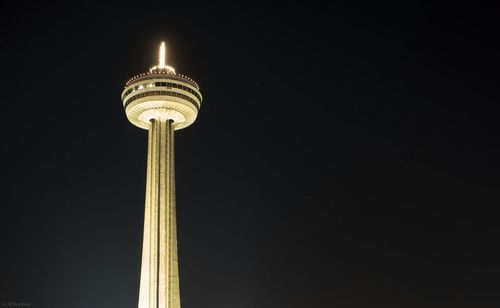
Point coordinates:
[(162, 66), (162, 57)]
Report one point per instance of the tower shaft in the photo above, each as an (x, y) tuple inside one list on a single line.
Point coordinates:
[(159, 285)]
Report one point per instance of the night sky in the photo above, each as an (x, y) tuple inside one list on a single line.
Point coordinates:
[(345, 155)]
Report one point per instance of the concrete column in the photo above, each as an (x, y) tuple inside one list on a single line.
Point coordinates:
[(159, 284)]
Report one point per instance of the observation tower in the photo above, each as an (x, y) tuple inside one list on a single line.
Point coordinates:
[(162, 102)]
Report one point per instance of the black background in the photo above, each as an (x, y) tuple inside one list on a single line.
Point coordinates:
[(344, 155)]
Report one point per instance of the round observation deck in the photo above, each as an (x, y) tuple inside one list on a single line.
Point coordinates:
[(161, 93)]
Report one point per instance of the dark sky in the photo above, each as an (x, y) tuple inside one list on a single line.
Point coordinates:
[(344, 155)]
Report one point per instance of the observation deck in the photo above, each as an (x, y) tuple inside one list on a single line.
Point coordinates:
[(161, 93)]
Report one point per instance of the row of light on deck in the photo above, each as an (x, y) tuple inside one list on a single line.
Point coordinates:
[(149, 73)]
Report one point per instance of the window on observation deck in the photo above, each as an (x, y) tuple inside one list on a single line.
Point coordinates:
[(162, 84), (169, 93)]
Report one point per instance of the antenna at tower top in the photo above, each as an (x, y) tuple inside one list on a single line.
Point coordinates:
[(163, 51), (162, 66)]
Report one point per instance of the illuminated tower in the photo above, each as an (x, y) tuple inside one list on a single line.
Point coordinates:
[(160, 101)]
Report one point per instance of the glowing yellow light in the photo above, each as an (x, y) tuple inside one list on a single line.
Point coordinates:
[(162, 59), (163, 51)]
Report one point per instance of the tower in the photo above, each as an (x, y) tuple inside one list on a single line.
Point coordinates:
[(160, 101)]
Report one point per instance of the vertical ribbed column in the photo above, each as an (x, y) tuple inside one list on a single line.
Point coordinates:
[(159, 270), (147, 247), (175, 299)]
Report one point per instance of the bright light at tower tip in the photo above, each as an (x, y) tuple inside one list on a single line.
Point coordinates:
[(161, 63)]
